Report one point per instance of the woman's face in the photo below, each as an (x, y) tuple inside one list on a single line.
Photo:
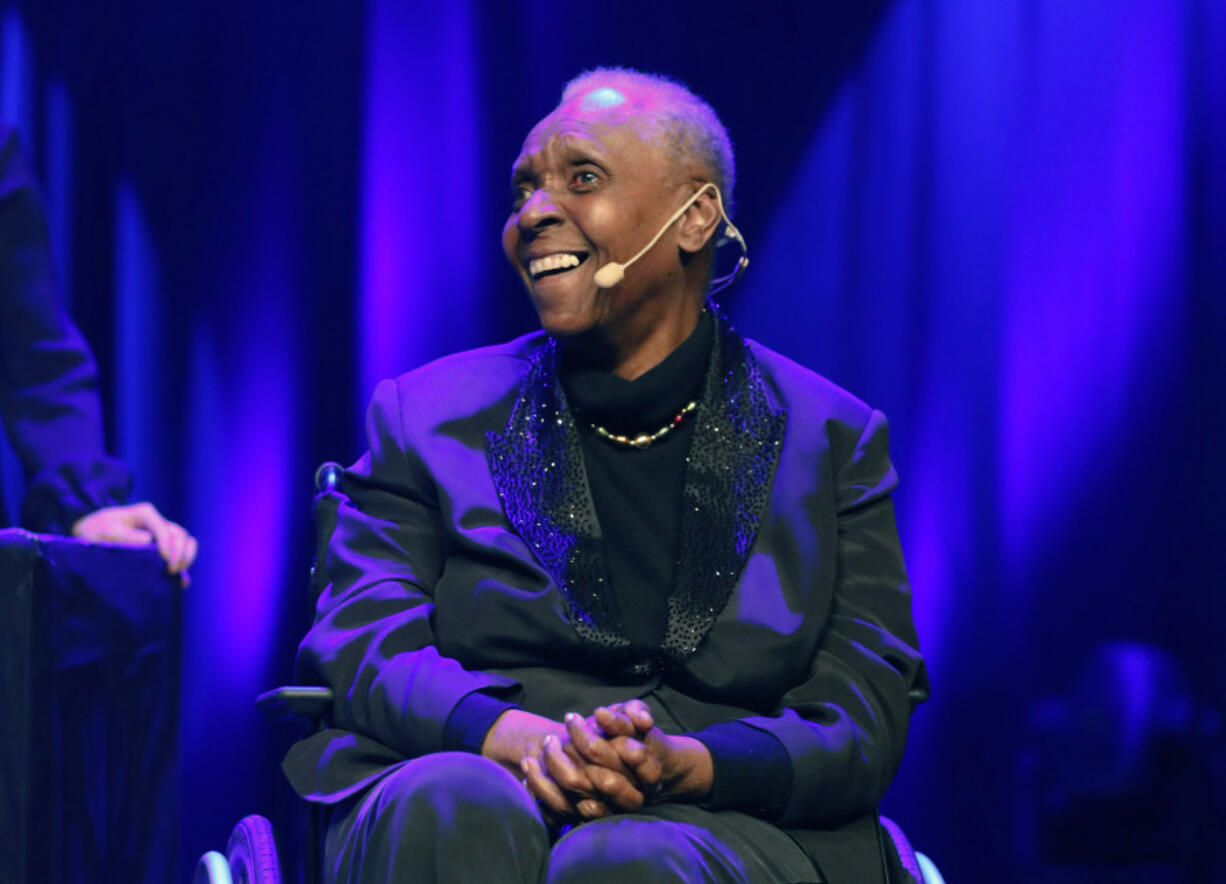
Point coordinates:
[(588, 190)]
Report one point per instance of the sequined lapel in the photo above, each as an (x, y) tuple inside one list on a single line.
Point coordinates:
[(732, 461), (537, 468)]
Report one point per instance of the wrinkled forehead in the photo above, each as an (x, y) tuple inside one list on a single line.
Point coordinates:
[(603, 115)]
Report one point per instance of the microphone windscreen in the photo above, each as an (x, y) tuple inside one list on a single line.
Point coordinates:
[(609, 275)]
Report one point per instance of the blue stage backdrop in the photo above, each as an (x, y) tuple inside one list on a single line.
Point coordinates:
[(1003, 224)]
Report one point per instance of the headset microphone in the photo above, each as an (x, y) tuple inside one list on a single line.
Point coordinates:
[(612, 273), (609, 275)]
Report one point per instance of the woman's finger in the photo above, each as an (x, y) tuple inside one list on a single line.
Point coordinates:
[(176, 546), (607, 778), (642, 760), (565, 771), (615, 789), (629, 719), (186, 558), (593, 809), (545, 790), (639, 713), (590, 744), (127, 536), (612, 721), (146, 516), (560, 805), (189, 555)]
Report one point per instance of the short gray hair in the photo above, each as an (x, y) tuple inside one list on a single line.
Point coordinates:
[(690, 125)]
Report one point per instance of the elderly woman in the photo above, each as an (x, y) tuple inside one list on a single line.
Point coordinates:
[(622, 599)]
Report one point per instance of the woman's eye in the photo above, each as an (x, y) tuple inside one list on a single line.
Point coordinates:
[(584, 178), (521, 195)]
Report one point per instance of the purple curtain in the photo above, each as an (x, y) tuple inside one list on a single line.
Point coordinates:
[(1002, 224), (1007, 232)]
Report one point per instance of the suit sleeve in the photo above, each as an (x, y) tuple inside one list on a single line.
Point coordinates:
[(842, 730), (48, 378), (372, 641)]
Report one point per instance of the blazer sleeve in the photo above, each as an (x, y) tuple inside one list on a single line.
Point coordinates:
[(372, 641), (48, 379), (843, 729)]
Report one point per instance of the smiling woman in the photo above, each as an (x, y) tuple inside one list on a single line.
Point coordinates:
[(587, 187), (594, 177), (544, 624)]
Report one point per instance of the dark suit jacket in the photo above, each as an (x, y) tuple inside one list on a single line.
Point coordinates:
[(468, 558), (48, 379)]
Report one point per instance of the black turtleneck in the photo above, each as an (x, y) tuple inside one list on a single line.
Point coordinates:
[(637, 492)]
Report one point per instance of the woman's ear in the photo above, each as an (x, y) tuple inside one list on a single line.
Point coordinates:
[(700, 221)]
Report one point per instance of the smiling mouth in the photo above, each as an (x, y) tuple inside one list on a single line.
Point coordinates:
[(552, 265)]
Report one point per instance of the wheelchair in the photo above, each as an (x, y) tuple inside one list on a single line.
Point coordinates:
[(251, 855)]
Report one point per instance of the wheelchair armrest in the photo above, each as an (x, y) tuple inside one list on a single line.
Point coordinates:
[(295, 701)]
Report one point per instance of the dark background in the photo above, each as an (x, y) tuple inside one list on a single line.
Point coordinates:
[(1003, 224)]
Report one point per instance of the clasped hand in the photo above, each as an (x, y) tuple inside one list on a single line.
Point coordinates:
[(615, 760)]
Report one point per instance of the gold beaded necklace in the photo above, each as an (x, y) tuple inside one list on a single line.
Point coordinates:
[(646, 440)]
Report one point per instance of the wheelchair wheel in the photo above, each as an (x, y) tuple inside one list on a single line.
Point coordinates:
[(252, 852), (212, 868)]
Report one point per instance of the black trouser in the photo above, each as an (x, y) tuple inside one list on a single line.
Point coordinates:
[(455, 817)]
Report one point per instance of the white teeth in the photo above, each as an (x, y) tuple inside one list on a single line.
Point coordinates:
[(556, 261)]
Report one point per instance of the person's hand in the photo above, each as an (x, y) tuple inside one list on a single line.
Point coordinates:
[(140, 524), (610, 741), (615, 761), (596, 784), (660, 767), (538, 751)]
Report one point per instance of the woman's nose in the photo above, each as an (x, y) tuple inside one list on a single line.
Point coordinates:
[(538, 211)]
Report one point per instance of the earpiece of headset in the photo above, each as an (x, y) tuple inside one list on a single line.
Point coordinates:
[(612, 273)]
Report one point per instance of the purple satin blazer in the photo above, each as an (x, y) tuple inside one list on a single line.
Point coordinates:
[(467, 557)]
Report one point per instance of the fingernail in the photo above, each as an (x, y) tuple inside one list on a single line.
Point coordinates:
[(524, 766), (570, 716), (548, 741)]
